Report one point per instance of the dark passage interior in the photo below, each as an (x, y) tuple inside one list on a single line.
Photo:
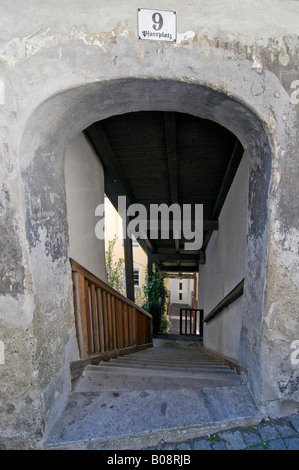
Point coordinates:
[(172, 158)]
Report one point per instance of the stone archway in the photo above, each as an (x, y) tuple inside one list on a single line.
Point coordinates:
[(46, 222), (64, 69)]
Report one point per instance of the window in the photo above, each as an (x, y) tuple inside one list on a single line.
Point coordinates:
[(137, 277), (181, 286), (180, 297)]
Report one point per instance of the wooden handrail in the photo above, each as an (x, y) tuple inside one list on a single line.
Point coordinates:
[(231, 297), (106, 321)]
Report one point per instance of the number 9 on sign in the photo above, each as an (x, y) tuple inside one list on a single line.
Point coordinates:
[(156, 25), (158, 21)]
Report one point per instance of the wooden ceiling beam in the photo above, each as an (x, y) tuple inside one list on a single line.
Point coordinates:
[(179, 276), (180, 269), (170, 136), (175, 257), (207, 225), (228, 178), (98, 139)]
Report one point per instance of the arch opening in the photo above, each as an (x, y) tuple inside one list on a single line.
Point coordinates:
[(42, 165), (175, 161)]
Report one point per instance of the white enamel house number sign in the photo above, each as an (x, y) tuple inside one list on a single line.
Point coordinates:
[(156, 25)]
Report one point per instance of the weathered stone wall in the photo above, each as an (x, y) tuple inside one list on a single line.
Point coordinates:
[(66, 65)]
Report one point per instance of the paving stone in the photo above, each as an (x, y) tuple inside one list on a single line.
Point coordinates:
[(295, 422), (276, 444), (202, 444), (257, 447), (292, 443), (168, 447), (233, 440), (278, 434), (285, 430), (251, 438), (184, 446), (268, 432), (218, 445)]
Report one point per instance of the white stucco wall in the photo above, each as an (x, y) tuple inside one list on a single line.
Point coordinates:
[(225, 267), (84, 180)]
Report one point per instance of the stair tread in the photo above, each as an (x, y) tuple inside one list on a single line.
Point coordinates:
[(114, 418), (173, 372), (165, 359), (162, 361), (162, 368)]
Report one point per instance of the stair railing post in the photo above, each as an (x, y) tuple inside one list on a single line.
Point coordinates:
[(81, 313)]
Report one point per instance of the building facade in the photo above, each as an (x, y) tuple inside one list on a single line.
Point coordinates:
[(67, 65), (114, 230)]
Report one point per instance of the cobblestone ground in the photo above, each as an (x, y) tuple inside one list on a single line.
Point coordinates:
[(277, 434)]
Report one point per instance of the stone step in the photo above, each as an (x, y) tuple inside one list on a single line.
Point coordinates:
[(115, 382), (165, 360), (183, 357), (136, 419), (188, 357), (162, 372), (170, 361), (161, 367), (96, 380)]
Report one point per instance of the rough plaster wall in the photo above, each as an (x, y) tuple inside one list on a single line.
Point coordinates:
[(84, 181), (225, 268), (223, 333), (55, 56)]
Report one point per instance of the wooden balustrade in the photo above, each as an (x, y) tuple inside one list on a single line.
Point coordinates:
[(107, 323), (191, 321)]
